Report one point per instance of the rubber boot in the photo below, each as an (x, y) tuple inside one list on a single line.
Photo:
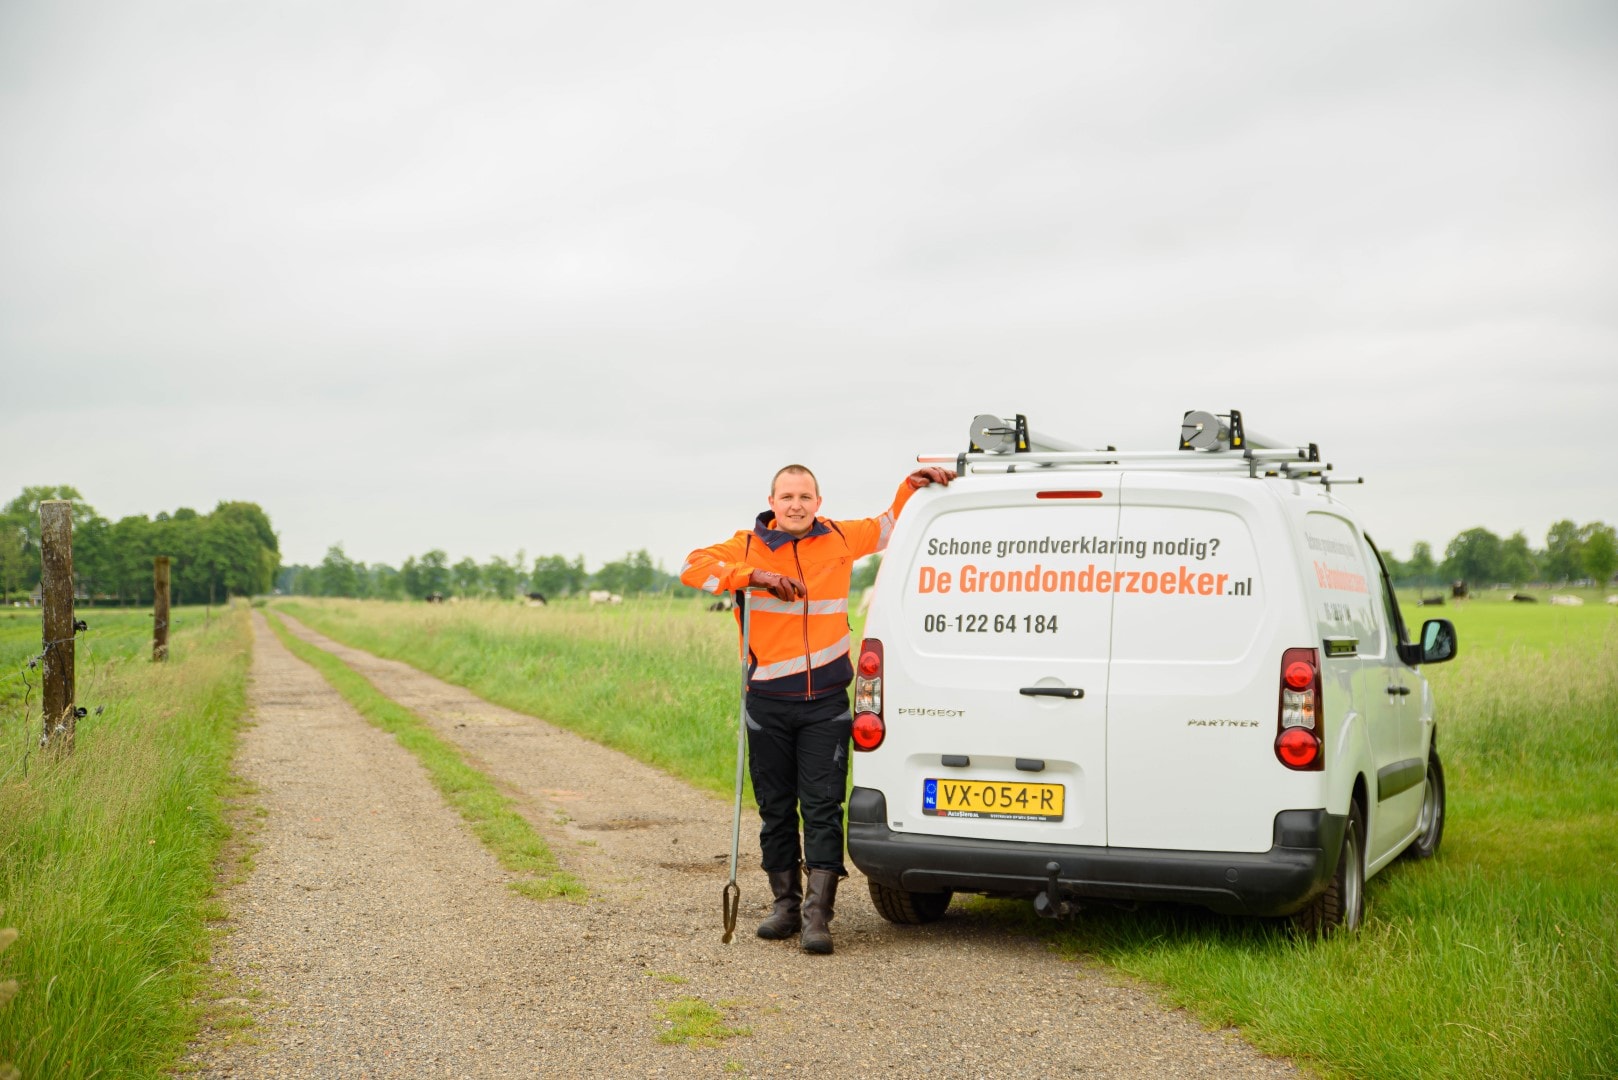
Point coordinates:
[(784, 921), (819, 900)]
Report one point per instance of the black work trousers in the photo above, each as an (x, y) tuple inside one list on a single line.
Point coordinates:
[(797, 754)]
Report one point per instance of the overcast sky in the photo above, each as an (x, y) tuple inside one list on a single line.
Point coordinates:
[(577, 277)]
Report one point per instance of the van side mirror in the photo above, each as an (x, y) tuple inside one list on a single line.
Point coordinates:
[(1438, 643)]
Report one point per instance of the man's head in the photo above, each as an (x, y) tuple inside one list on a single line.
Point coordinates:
[(795, 500)]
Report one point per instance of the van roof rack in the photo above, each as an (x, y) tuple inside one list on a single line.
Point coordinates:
[(1209, 442)]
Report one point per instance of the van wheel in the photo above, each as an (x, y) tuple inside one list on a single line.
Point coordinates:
[(1341, 908), (908, 908), (1430, 827)]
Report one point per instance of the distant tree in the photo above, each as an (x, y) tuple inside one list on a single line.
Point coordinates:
[(435, 574), (1600, 551), (94, 558), (503, 578), (179, 536), (383, 582), (1474, 556), (232, 556), (131, 541), (468, 577), (337, 574), (15, 566), (554, 575), (22, 515), (410, 579), (633, 574), (642, 572), (1517, 563), (1421, 568), (255, 549), (298, 580), (1564, 556), (287, 579), (612, 577)]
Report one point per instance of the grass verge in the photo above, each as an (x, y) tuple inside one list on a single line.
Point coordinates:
[(491, 814), (107, 857)]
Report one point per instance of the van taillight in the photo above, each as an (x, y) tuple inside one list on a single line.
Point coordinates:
[(1297, 742), (869, 730)]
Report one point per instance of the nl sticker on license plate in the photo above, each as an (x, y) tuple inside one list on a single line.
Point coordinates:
[(991, 799)]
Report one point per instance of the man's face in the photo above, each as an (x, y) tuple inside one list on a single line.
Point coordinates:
[(795, 503)]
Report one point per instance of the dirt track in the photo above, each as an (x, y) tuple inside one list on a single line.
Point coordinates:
[(385, 943)]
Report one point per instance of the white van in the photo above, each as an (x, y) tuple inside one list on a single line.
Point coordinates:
[(1156, 675)]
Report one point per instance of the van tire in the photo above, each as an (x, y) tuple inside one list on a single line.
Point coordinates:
[(908, 908), (1430, 826), (1341, 908)]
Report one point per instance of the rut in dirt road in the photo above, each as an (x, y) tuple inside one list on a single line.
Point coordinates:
[(385, 942)]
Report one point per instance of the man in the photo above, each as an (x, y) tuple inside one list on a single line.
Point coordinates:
[(798, 719)]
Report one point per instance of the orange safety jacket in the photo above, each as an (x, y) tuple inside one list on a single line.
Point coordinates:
[(798, 649)]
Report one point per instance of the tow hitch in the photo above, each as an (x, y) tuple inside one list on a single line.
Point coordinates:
[(1049, 904)]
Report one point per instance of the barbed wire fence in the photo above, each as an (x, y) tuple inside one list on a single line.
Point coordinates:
[(33, 668), (54, 664)]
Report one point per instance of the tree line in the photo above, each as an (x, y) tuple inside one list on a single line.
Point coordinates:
[(432, 574), (232, 550), (1572, 554)]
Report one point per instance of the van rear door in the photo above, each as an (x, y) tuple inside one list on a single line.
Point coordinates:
[(996, 662), (1199, 623)]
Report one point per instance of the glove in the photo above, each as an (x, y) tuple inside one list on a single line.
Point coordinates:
[(778, 585), (933, 474)]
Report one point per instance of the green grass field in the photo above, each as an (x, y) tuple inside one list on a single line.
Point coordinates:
[(1498, 958), (108, 856)]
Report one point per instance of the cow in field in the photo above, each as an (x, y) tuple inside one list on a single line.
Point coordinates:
[(602, 596), (537, 599)]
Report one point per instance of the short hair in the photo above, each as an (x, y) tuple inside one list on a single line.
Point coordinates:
[(800, 469)]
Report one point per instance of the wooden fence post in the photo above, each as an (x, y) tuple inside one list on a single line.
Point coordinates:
[(160, 608), (56, 618)]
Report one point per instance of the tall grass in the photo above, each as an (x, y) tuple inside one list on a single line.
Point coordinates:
[(1499, 958), (107, 858)]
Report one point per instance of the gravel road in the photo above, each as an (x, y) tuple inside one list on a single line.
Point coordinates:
[(383, 941)]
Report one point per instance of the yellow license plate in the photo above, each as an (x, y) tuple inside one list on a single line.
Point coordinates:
[(991, 799)]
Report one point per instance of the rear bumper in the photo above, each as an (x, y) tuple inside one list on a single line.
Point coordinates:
[(1275, 882)]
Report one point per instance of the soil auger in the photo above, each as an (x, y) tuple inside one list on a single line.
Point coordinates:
[(730, 900)]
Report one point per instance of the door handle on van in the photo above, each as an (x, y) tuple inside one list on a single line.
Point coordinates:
[(1072, 692), (1400, 690)]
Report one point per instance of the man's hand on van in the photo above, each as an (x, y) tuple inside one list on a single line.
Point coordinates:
[(778, 585), (933, 474)]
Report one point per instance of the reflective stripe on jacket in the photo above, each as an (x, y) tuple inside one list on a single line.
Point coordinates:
[(799, 648)]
